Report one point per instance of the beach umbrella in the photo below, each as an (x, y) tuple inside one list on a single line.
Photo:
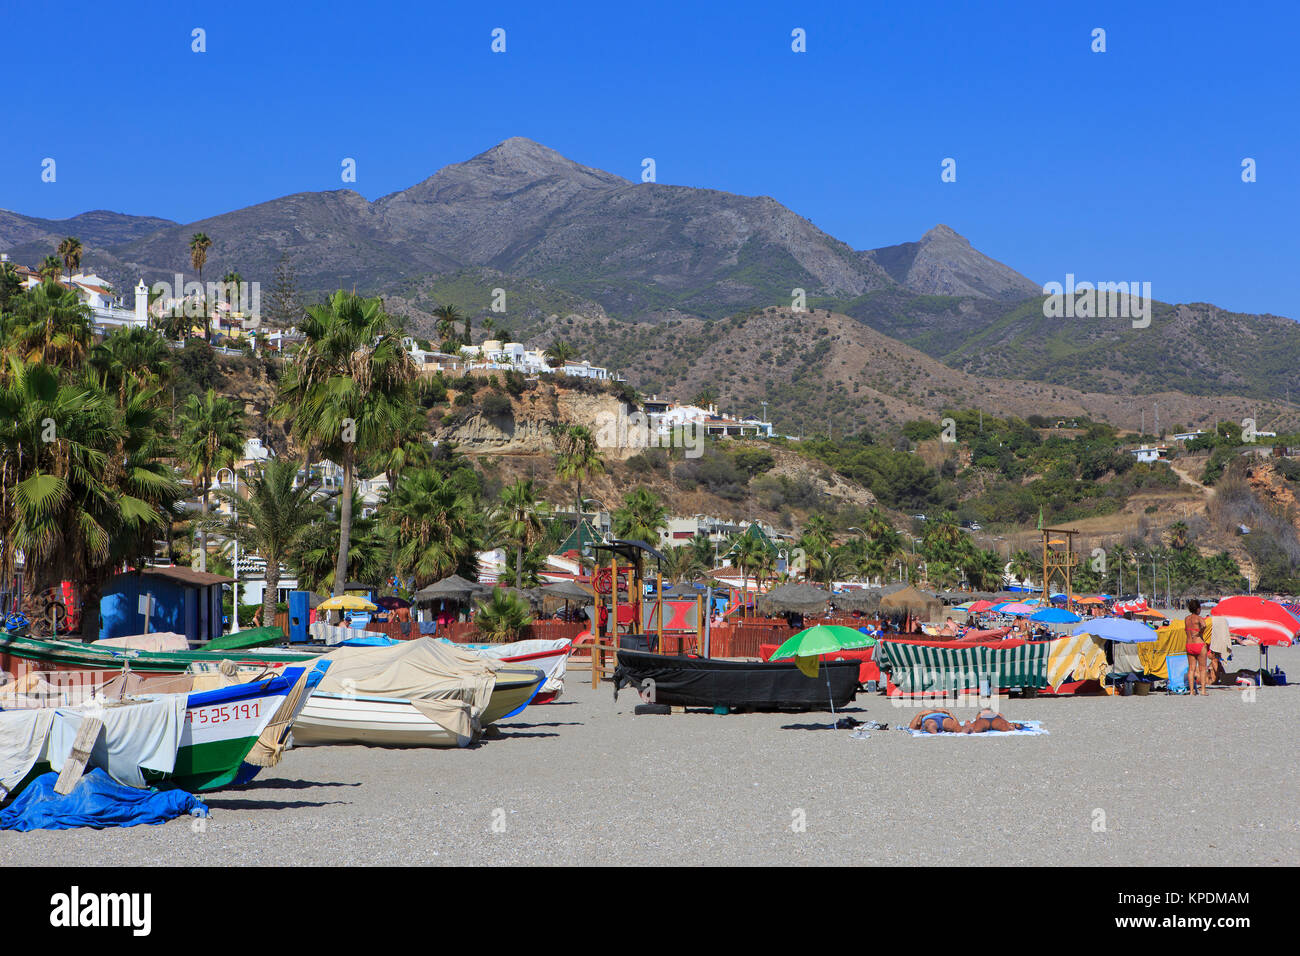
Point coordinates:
[(1019, 609), (981, 606), (1052, 615), (451, 588), (1118, 629), (917, 603), (347, 602), (391, 602), (796, 598), (858, 599), (570, 591), (808, 645), (1258, 620)]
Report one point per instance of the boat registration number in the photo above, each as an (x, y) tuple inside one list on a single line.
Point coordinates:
[(207, 716)]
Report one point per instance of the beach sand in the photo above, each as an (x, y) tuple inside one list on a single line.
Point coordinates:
[(1119, 782)]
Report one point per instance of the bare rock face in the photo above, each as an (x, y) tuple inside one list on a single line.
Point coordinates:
[(944, 263)]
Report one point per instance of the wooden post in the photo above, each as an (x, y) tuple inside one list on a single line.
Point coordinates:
[(659, 610), (701, 610), (87, 734)]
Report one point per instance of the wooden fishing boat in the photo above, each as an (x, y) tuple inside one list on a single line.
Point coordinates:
[(551, 656), (221, 728), (334, 718), (21, 654), (752, 685)]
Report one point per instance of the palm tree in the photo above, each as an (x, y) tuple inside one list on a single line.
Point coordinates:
[(577, 458), (447, 316), (1023, 566), (348, 389), (640, 517), (49, 324), (747, 552), (50, 269), (273, 520), (211, 435), (559, 353), (83, 488), (199, 246), (433, 526), (502, 616), (682, 563), (70, 251), (11, 284), (130, 356), (369, 557), (518, 520)]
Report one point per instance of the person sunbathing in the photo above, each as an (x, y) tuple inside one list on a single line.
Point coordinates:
[(949, 628), (988, 720), (936, 722)]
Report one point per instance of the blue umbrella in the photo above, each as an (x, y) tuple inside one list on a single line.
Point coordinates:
[(1055, 615), (1118, 629), (997, 608)]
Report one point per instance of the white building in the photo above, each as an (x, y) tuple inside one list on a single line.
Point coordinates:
[(1149, 453), (513, 356), (107, 307), (665, 416)]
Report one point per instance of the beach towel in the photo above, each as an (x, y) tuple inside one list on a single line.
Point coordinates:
[(1033, 728), (1170, 639)]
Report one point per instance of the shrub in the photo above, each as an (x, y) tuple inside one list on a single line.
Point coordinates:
[(495, 405)]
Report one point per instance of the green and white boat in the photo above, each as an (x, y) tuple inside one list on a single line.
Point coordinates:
[(220, 730)]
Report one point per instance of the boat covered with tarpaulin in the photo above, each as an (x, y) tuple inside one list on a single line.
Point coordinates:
[(683, 681)]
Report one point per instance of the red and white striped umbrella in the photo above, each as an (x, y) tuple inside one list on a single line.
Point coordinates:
[(1256, 620)]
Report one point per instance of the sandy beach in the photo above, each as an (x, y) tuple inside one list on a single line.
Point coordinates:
[(1118, 782)]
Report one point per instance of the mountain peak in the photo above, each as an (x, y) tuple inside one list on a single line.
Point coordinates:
[(943, 262), (945, 233)]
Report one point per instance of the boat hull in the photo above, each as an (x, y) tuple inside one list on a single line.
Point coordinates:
[(374, 721), (752, 685), (22, 655)]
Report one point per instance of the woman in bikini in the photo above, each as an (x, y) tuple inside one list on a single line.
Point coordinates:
[(936, 721), (991, 720), (1198, 670)]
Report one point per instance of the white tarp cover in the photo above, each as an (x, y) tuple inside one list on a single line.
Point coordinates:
[(555, 667), (140, 734), (450, 686), (157, 641)]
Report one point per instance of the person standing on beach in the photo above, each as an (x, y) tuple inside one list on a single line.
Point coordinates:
[(1197, 664)]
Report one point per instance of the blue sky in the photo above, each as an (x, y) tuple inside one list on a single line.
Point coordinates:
[(1123, 165)]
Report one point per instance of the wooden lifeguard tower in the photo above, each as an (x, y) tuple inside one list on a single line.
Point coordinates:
[(1059, 559)]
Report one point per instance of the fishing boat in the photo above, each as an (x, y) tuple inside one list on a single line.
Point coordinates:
[(415, 693), (21, 654), (751, 685), (193, 741), (550, 656), (334, 718)]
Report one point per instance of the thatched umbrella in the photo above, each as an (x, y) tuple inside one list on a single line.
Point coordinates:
[(571, 592), (918, 604), (858, 599), (793, 599), (453, 588)]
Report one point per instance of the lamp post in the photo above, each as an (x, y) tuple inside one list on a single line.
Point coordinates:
[(234, 594)]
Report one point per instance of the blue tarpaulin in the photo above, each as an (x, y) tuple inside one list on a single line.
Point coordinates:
[(375, 640), (96, 801)]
